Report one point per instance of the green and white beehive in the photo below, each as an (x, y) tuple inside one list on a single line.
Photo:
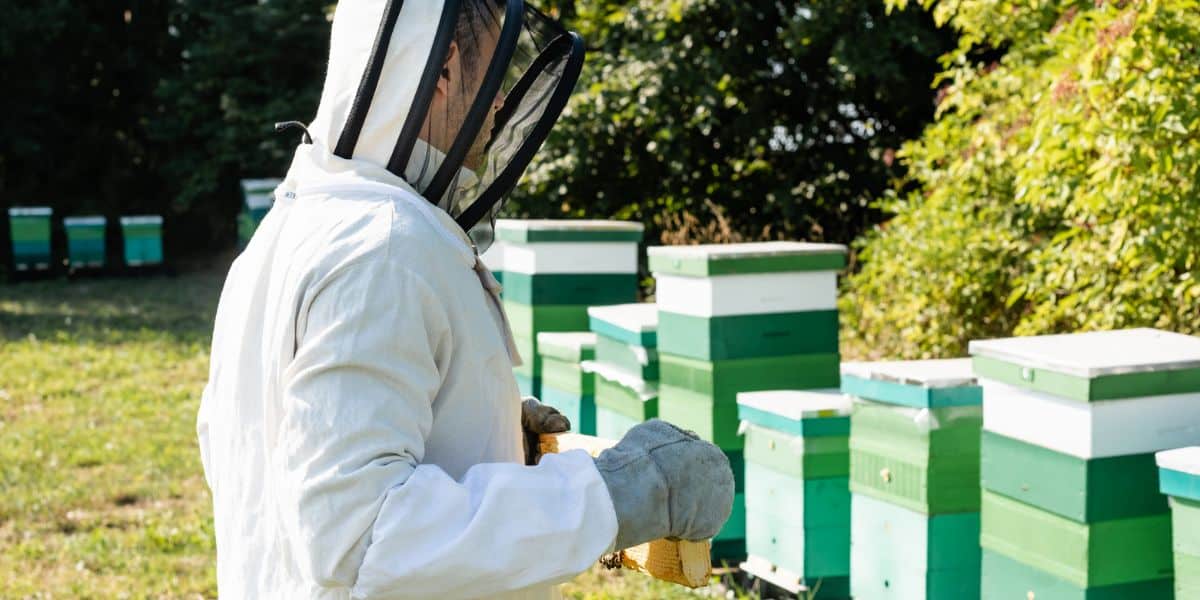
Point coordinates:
[(797, 503), (258, 196), (143, 240), (554, 270), (914, 472), (565, 385), (1179, 478), (85, 241), (30, 231), (741, 318), (626, 393), (1072, 422)]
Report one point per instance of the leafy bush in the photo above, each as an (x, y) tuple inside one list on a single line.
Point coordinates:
[(1057, 190)]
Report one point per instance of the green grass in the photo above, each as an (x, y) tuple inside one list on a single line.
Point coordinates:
[(101, 489)]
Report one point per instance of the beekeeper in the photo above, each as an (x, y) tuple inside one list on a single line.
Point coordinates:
[(361, 430)]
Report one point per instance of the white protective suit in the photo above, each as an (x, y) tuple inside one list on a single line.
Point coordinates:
[(360, 430)]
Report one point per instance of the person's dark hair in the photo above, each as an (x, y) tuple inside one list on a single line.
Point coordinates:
[(478, 20)]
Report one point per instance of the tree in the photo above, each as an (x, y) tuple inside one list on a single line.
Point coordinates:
[(244, 66), (769, 119), (1057, 190)]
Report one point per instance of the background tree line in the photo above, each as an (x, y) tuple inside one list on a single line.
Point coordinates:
[(999, 166)]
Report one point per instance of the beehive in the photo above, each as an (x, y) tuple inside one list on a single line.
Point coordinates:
[(796, 494), (1179, 478), (565, 385), (554, 270), (143, 240), (258, 196), (85, 241), (29, 228), (740, 318), (1071, 424), (914, 472)]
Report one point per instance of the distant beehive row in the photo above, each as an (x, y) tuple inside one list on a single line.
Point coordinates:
[(1026, 471), (32, 251)]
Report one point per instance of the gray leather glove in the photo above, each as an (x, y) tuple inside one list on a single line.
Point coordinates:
[(666, 483), (536, 419)]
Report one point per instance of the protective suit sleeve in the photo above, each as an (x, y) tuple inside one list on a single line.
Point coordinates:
[(359, 506)]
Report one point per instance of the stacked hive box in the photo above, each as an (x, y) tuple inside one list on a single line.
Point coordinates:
[(30, 230), (1070, 505), (797, 499), (258, 196), (1179, 478), (741, 318), (85, 241), (143, 240), (626, 366), (914, 474), (565, 385), (555, 270)]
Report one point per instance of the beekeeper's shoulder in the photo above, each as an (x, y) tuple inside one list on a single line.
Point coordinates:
[(423, 237)]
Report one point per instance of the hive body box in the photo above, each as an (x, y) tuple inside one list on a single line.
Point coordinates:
[(627, 386), (741, 318), (1179, 478), (85, 241), (143, 240), (553, 270), (914, 472), (258, 196), (797, 500), (29, 228), (1065, 509), (565, 385)]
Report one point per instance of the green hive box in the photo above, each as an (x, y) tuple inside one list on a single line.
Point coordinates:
[(1083, 555), (1094, 366), (564, 262), (85, 241), (621, 403), (914, 383), (1005, 578), (570, 288), (258, 196), (30, 231), (797, 498), (925, 460), (626, 338), (726, 301), (526, 322), (529, 231), (903, 554), (723, 380), (143, 240), (1082, 490), (565, 385), (1179, 478)]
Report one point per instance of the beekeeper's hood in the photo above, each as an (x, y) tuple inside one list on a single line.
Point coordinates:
[(453, 96)]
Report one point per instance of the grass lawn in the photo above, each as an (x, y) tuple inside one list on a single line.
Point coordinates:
[(103, 493)]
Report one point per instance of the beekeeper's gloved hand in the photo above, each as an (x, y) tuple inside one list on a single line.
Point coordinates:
[(666, 483), (536, 419)]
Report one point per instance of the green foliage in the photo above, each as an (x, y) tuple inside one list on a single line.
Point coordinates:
[(1057, 190), (776, 117)]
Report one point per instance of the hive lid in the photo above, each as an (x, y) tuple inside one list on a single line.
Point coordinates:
[(266, 185), (915, 383), (571, 346), (1099, 365), (800, 412), (567, 230), (635, 324), (84, 221), (755, 257), (142, 220), (1179, 472), (30, 211)]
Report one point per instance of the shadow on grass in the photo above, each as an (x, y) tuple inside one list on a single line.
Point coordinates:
[(117, 310)]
